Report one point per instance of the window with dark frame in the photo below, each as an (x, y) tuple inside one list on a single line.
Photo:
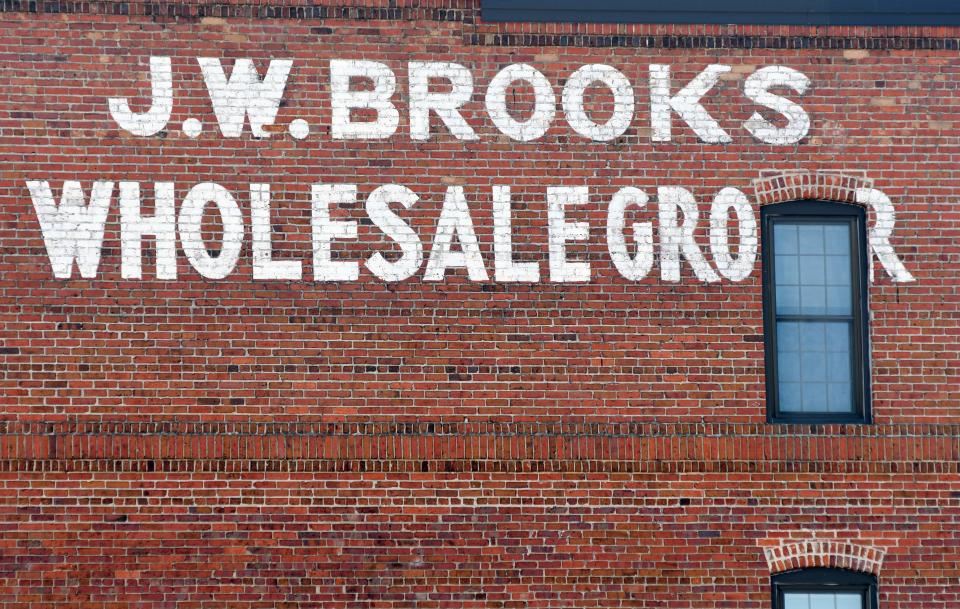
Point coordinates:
[(820, 588), (815, 312)]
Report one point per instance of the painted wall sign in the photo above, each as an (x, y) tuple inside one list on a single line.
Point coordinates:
[(73, 228)]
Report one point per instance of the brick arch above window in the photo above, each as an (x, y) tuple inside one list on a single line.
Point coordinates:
[(826, 553), (855, 189), (778, 187)]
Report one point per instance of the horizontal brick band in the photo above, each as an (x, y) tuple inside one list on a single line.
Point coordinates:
[(393, 427), (707, 41), (477, 446), (499, 34), (241, 10), (412, 466)]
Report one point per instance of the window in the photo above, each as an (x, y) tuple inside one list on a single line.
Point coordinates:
[(824, 589), (815, 312)]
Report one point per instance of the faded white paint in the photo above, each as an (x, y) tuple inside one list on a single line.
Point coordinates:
[(244, 94), (677, 238), (155, 119), (757, 88), (733, 268), (264, 266), (622, 114), (506, 269), (72, 231), (686, 103), (299, 129), (545, 103), (133, 226), (638, 266), (192, 128), (378, 210), (884, 221), (445, 105), (325, 230), (561, 232), (455, 221), (189, 225), (343, 99)]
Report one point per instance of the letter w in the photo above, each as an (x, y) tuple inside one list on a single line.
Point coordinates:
[(244, 94), (74, 230)]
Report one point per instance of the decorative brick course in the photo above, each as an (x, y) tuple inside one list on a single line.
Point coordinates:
[(775, 187), (824, 552)]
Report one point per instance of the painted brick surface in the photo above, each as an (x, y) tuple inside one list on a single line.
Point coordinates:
[(458, 437)]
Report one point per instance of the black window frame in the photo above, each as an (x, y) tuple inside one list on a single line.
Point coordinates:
[(822, 579), (817, 211)]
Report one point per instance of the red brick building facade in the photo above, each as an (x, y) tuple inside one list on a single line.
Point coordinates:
[(431, 434)]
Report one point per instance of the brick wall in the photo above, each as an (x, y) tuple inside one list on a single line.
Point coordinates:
[(602, 443)]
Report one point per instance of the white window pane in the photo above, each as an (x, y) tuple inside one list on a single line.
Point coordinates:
[(788, 366), (788, 300), (838, 336), (838, 270), (825, 600), (812, 337), (784, 238), (795, 600), (822, 601), (838, 301), (787, 270), (814, 397), (790, 397), (849, 601), (838, 367), (788, 336), (813, 299), (839, 397), (837, 238), (810, 237), (813, 270), (813, 367)]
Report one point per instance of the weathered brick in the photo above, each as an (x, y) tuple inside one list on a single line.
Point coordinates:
[(471, 443)]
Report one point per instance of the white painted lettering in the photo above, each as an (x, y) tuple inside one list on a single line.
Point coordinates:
[(446, 105), (264, 266), (245, 94), (885, 219), (189, 225), (455, 221), (739, 268), (686, 103), (344, 99), (155, 119), (560, 232), (325, 230), (573, 91), (72, 231), (757, 88), (676, 238), (545, 103), (378, 209), (637, 267), (505, 267), (162, 225)]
